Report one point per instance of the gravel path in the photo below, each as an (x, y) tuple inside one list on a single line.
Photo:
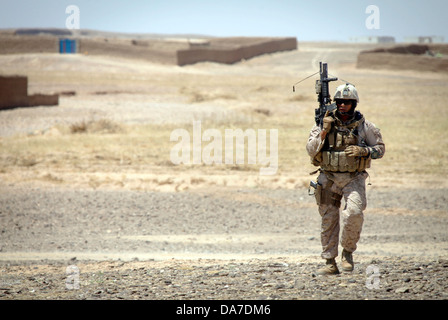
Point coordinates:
[(231, 244)]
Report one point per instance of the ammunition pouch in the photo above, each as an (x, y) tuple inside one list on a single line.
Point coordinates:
[(338, 161)]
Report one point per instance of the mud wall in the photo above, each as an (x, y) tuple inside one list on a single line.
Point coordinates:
[(14, 94), (233, 52), (13, 91), (43, 100), (398, 62), (431, 58)]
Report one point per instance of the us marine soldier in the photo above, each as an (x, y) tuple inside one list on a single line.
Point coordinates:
[(343, 149)]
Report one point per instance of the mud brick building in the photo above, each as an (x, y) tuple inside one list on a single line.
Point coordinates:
[(14, 94)]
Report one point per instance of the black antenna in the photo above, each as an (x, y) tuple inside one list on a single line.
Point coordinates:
[(294, 88)]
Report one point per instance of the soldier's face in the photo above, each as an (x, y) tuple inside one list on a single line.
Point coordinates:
[(344, 105)]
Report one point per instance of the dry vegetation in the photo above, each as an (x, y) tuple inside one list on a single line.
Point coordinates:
[(109, 151)]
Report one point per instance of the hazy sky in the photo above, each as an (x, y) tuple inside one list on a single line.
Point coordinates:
[(305, 19)]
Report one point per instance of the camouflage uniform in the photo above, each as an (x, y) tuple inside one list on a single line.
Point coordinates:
[(343, 177)]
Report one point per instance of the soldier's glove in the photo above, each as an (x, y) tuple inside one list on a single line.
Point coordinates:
[(356, 151), (327, 123)]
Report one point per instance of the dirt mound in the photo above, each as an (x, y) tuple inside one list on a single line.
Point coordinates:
[(43, 31), (408, 57), (410, 49)]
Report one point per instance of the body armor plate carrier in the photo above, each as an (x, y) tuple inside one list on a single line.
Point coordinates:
[(332, 157)]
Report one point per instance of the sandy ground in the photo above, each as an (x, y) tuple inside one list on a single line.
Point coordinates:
[(239, 239)]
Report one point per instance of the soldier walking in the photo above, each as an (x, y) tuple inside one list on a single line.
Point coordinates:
[(343, 149)]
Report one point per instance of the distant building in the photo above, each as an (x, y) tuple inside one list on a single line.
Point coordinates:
[(425, 39), (373, 39), (14, 94)]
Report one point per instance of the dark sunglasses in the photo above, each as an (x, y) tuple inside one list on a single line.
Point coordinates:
[(343, 101)]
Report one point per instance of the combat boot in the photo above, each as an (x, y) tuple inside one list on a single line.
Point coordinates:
[(330, 268), (347, 261)]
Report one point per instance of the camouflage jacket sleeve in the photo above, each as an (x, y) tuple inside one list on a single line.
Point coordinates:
[(315, 143), (372, 139)]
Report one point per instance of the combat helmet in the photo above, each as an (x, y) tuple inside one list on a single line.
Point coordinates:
[(346, 91)]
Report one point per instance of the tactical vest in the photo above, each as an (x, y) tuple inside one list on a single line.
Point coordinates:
[(332, 157)]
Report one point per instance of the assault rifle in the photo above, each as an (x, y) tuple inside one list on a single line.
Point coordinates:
[(323, 95)]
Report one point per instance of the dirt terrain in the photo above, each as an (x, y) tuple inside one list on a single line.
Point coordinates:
[(231, 244), (89, 184)]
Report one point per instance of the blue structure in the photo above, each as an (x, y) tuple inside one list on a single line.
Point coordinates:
[(67, 46)]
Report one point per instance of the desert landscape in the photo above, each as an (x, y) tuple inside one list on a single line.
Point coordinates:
[(90, 183)]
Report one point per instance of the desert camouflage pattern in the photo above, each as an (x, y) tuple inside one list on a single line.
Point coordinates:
[(369, 136), (346, 91), (349, 187), (352, 189)]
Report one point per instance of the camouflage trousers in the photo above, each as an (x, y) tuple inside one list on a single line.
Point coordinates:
[(351, 188)]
